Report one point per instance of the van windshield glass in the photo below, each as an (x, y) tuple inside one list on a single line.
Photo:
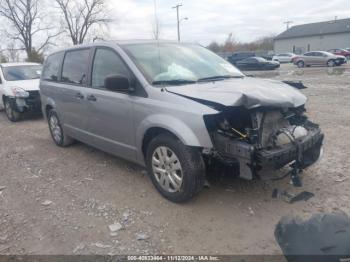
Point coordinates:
[(177, 64), (25, 72)]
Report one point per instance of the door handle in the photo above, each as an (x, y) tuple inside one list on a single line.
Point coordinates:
[(92, 98), (79, 96)]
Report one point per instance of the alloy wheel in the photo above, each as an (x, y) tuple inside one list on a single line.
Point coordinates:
[(167, 169), (55, 128)]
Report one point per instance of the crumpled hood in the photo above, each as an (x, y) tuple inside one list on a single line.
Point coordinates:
[(27, 85), (248, 92)]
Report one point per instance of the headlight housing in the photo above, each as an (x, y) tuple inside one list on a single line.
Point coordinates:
[(19, 92)]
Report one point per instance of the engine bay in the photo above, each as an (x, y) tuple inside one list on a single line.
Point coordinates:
[(264, 138)]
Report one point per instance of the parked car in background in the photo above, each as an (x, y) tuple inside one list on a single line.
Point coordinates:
[(175, 113), (257, 63), (284, 58), (342, 52), (268, 55), (19, 89), (239, 56), (319, 58)]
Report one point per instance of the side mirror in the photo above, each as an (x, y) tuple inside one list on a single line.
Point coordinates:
[(118, 83)]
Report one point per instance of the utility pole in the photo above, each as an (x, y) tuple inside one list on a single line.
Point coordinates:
[(288, 23), (178, 21)]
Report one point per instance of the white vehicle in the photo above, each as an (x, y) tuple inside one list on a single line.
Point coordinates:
[(19, 89), (284, 58)]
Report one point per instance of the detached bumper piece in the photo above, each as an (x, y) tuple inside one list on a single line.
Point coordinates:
[(304, 152)]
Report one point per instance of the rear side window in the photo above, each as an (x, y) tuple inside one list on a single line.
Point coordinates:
[(107, 63), (75, 67), (52, 66)]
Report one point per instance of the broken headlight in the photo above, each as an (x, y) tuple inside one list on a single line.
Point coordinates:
[(19, 92)]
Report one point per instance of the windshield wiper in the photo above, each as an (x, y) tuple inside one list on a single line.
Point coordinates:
[(174, 82), (217, 78)]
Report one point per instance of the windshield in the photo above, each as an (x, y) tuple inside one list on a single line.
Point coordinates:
[(168, 63), (24, 72)]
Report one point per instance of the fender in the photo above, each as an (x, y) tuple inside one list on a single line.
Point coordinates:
[(47, 101), (174, 125)]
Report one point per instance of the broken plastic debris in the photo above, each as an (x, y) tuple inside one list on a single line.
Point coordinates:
[(292, 198)]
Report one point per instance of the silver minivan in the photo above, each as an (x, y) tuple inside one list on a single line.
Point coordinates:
[(174, 108)]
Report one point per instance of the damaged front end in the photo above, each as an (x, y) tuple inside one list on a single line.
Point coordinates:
[(28, 101), (264, 139)]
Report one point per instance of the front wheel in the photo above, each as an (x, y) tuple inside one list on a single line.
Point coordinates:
[(56, 130), (331, 63), (177, 171), (11, 112)]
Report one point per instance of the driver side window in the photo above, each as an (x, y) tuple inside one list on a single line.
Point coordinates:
[(107, 63)]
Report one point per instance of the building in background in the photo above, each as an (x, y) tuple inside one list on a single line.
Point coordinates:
[(314, 37)]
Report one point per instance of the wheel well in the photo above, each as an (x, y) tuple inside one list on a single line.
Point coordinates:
[(47, 109), (152, 133)]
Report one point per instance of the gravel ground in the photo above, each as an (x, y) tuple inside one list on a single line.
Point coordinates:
[(62, 201)]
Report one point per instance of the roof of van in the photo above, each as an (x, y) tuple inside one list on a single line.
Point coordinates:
[(17, 64), (118, 42)]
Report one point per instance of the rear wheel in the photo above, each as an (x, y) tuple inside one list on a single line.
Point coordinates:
[(56, 130), (10, 111), (301, 64), (177, 171)]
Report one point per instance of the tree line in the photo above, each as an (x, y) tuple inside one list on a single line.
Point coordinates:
[(33, 25), (231, 45)]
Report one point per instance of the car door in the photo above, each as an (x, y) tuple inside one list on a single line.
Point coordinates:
[(71, 97), (309, 58), (319, 58), (111, 121)]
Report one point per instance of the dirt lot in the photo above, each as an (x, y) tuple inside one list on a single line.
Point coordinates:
[(61, 201)]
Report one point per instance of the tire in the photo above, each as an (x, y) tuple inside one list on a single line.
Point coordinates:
[(11, 112), (331, 63), (187, 164), (56, 130), (301, 64)]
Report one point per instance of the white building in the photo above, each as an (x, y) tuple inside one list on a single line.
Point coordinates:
[(314, 37)]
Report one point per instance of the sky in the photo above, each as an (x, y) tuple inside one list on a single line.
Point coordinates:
[(210, 20)]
